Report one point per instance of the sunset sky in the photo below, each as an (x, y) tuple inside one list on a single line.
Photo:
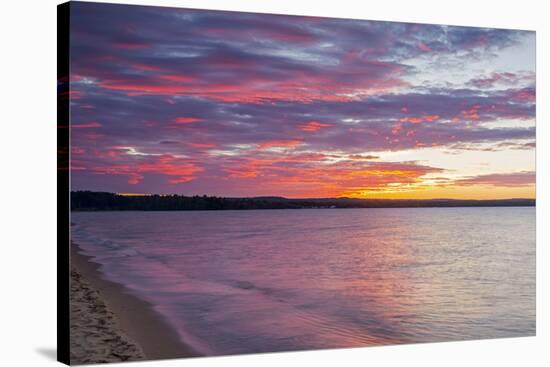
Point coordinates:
[(182, 101)]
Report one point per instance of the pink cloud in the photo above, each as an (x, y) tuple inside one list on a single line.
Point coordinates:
[(179, 170), (313, 126), (145, 67), (472, 113), (202, 145), (525, 95), (279, 144), (423, 47), (177, 78), (186, 120), (87, 125), (130, 45)]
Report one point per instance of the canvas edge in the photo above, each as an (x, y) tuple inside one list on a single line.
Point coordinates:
[(63, 178)]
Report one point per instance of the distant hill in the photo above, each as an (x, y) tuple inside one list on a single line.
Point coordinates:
[(89, 201)]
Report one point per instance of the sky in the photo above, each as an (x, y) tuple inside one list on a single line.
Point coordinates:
[(193, 102)]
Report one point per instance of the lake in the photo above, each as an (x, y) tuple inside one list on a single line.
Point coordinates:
[(279, 280)]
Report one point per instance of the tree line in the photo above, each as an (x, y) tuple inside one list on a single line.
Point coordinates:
[(90, 201)]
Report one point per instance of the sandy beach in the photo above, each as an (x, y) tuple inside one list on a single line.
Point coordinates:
[(108, 324)]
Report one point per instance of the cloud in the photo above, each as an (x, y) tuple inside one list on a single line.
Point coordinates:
[(420, 119), (237, 103), (524, 178), (279, 144), (495, 147), (178, 170), (186, 120), (317, 175), (86, 125), (313, 126)]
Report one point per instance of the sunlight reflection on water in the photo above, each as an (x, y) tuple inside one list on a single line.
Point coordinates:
[(273, 280)]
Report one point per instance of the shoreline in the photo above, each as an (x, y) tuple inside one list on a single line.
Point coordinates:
[(108, 201), (135, 318)]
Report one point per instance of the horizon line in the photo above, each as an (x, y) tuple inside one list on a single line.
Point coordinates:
[(131, 194)]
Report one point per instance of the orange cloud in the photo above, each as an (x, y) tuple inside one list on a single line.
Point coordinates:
[(472, 113), (420, 119), (315, 175)]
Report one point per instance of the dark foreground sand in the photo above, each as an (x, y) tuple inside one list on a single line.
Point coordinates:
[(110, 325)]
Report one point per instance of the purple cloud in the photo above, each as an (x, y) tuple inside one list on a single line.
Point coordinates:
[(200, 100)]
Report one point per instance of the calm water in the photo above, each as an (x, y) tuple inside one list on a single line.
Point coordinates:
[(273, 280)]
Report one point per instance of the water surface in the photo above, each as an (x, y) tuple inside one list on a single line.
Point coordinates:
[(273, 280)]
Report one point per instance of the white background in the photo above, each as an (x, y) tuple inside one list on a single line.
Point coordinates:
[(28, 182)]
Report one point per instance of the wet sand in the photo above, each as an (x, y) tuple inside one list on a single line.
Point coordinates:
[(108, 324)]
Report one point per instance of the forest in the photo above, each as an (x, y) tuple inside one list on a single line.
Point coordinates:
[(95, 201)]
